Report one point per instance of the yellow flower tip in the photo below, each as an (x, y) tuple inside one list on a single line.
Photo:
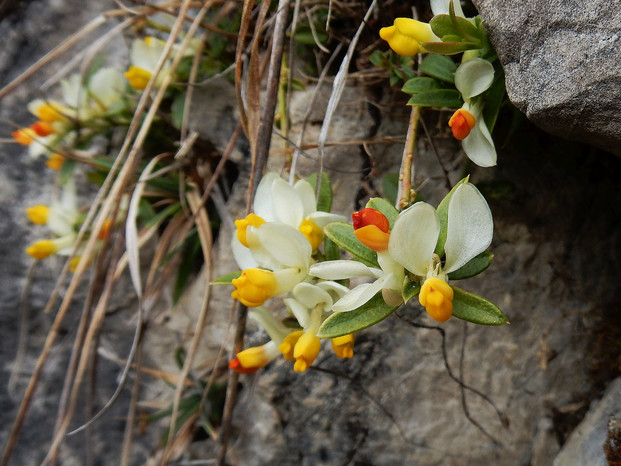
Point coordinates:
[(41, 249), (343, 346), (305, 351), (461, 123), (24, 136), (250, 360), (243, 224), (55, 161), (372, 237), (254, 286), (49, 112), (138, 77), (313, 233), (288, 344), (38, 214), (405, 36), (436, 296)]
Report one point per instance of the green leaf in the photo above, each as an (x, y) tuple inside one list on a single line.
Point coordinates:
[(390, 186), (494, 97), (226, 279), (411, 288), (324, 202), (66, 171), (473, 267), (475, 309), (378, 58), (439, 67), (331, 250), (442, 211), (343, 235), (420, 84), (177, 110), (343, 323), (437, 98), (384, 207), (443, 26), (450, 48)]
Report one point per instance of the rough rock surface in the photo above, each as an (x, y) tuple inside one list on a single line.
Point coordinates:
[(563, 64), (584, 445)]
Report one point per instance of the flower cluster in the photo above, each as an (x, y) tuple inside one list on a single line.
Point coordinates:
[(450, 32), (416, 252)]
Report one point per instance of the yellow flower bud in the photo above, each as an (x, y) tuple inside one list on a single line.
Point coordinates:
[(138, 77), (250, 360), (313, 233), (55, 161), (305, 351), (38, 214), (254, 286), (436, 296), (343, 346), (42, 249), (405, 36), (288, 344), (50, 112), (372, 237), (243, 224)]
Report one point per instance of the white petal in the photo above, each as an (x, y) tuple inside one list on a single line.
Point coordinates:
[(311, 296), (322, 219), (274, 328), (306, 194), (341, 269), (242, 254), (470, 226), (479, 146), (107, 86), (285, 245), (336, 290), (414, 236), (145, 55), (263, 205), (474, 77), (300, 313), (441, 7), (286, 279), (287, 204), (389, 265), (74, 93), (360, 295)]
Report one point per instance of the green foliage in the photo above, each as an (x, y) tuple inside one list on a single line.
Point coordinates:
[(324, 200), (226, 279), (439, 67), (475, 266), (475, 309), (343, 235), (343, 323)]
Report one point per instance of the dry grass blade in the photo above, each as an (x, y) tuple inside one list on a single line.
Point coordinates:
[(204, 233)]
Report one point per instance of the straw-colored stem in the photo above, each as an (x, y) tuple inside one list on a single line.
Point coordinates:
[(406, 173)]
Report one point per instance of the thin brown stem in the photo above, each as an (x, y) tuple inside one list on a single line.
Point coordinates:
[(407, 170)]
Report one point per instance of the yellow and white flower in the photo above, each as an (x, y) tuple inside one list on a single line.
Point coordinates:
[(415, 234)]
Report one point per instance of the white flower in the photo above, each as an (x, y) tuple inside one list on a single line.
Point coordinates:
[(472, 78)]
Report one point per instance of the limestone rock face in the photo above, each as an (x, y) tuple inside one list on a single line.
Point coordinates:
[(563, 64)]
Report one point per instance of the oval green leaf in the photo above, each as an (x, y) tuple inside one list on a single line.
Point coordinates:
[(343, 235), (439, 67), (343, 323), (450, 48), (324, 201), (437, 98), (420, 84), (384, 207), (411, 288), (475, 309), (226, 279), (475, 266)]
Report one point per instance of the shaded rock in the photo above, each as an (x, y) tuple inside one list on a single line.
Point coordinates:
[(562, 64), (586, 443)]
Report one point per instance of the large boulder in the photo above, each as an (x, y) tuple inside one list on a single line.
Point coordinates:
[(563, 64)]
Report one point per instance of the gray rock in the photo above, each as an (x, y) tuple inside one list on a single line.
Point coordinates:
[(586, 443), (562, 62)]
